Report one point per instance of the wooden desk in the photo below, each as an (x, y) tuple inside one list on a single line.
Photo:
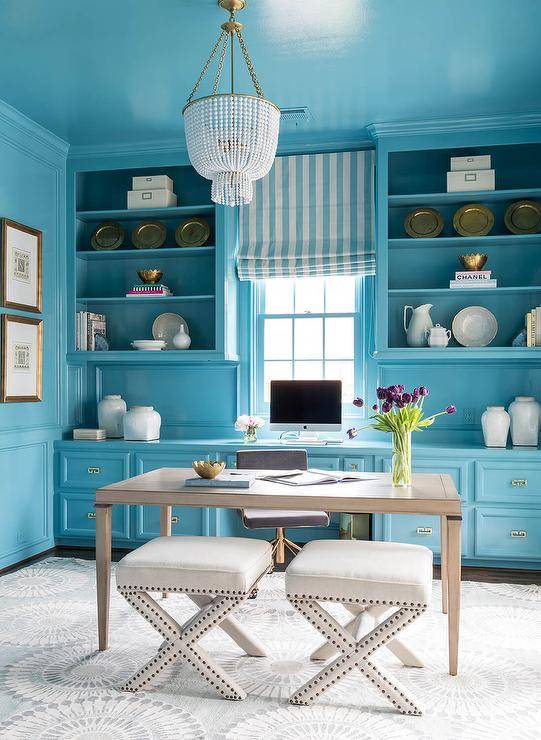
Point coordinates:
[(429, 494)]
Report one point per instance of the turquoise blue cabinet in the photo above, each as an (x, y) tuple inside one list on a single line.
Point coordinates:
[(81, 469), (508, 534), (76, 517)]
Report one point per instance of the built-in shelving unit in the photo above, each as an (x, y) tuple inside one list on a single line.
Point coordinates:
[(418, 271), (143, 255)]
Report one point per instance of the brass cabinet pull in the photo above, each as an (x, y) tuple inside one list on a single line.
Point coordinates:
[(424, 530), (93, 471), (175, 520), (519, 482), (520, 533), (353, 466), (91, 515)]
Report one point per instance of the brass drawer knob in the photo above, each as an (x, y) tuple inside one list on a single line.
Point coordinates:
[(91, 515), (175, 520), (93, 470), (424, 530), (519, 482), (519, 533), (353, 466)]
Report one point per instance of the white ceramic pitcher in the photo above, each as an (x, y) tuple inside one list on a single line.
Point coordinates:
[(419, 324)]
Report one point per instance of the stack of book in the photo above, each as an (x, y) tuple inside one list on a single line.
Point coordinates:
[(89, 326), (95, 434), (148, 289), (473, 279), (533, 327)]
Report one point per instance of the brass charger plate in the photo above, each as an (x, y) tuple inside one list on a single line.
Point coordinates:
[(423, 223), (473, 219), (193, 232), (523, 217), (149, 235), (107, 235)]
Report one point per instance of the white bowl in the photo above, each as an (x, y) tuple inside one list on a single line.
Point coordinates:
[(148, 344)]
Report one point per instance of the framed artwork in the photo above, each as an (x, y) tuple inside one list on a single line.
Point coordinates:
[(20, 250), (22, 359)]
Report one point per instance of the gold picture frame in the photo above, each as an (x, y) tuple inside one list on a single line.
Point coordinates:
[(21, 263), (22, 359)]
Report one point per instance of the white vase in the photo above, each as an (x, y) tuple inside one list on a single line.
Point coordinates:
[(524, 413), (495, 423), (111, 410), (182, 339), (142, 423)]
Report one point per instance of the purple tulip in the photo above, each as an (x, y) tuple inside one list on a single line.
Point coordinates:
[(406, 397), (375, 407), (381, 393), (394, 390), (401, 388), (450, 409), (386, 407), (352, 433), (415, 394), (400, 403), (358, 402), (423, 391)]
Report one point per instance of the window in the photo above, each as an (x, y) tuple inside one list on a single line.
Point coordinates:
[(307, 328)]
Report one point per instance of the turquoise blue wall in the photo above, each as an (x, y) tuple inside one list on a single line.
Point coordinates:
[(32, 191)]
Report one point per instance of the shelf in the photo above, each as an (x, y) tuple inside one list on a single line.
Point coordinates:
[(468, 242), (486, 354), (139, 254), (462, 291), (147, 299), (483, 196), (126, 214), (150, 357)]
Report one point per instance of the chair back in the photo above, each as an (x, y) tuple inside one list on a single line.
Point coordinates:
[(272, 460)]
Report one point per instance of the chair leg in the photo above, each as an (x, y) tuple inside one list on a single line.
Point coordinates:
[(279, 544), (354, 654)]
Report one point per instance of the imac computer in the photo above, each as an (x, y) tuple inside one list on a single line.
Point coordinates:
[(306, 406)]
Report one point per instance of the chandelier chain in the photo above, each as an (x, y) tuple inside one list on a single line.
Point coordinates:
[(207, 64), (220, 64), (249, 64)]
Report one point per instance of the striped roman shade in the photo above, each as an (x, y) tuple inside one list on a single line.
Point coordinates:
[(312, 215)]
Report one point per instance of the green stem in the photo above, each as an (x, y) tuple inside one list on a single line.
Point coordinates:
[(402, 457)]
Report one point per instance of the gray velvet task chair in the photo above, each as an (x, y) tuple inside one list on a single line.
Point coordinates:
[(263, 518)]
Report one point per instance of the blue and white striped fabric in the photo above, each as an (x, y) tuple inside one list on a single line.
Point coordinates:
[(313, 214)]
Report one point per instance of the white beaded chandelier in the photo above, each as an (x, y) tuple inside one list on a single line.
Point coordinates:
[(231, 138)]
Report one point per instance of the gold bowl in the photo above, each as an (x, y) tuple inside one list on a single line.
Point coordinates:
[(207, 468), (473, 261), (150, 276)]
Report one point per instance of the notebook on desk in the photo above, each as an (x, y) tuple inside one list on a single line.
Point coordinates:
[(313, 477)]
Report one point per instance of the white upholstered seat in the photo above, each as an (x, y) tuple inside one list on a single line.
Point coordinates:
[(367, 572), (218, 565)]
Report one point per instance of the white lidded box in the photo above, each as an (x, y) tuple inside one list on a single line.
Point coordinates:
[(480, 162), (151, 198), (152, 182), (470, 180)]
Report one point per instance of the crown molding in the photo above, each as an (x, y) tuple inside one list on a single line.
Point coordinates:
[(136, 148), (497, 122), (20, 124)]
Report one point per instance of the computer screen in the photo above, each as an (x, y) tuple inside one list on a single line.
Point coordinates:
[(306, 405)]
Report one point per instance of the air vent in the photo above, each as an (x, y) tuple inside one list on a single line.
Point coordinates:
[(301, 114)]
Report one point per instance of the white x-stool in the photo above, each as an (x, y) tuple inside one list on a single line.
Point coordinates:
[(216, 573), (385, 585)]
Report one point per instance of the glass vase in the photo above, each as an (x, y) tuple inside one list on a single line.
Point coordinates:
[(250, 435), (402, 458)]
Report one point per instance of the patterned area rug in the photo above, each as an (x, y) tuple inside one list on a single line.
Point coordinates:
[(55, 685)]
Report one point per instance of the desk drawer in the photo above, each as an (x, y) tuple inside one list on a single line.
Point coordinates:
[(511, 534), (76, 517), (419, 529), (457, 470), (185, 520), (92, 470), (356, 464), (508, 483), (323, 463)]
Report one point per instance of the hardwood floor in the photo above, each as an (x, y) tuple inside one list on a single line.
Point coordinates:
[(486, 575)]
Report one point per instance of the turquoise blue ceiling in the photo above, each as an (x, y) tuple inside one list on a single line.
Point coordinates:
[(118, 71)]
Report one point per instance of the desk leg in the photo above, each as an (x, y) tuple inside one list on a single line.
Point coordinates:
[(165, 527), (443, 564), (103, 570), (453, 574)]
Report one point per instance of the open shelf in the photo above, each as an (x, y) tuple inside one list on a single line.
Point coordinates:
[(128, 214), (431, 354), (468, 242), (483, 196), (150, 357), (146, 299), (142, 254), (462, 291)]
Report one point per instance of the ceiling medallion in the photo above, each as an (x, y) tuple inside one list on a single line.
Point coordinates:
[(231, 137)]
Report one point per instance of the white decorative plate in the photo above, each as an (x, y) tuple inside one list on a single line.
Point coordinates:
[(166, 325), (148, 344), (474, 326)]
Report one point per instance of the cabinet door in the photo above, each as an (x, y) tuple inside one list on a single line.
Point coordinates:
[(502, 482), (508, 534), (77, 518)]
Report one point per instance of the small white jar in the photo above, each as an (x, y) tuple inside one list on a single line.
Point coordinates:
[(524, 413), (495, 422), (111, 410), (142, 424), (182, 339), (438, 336)]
